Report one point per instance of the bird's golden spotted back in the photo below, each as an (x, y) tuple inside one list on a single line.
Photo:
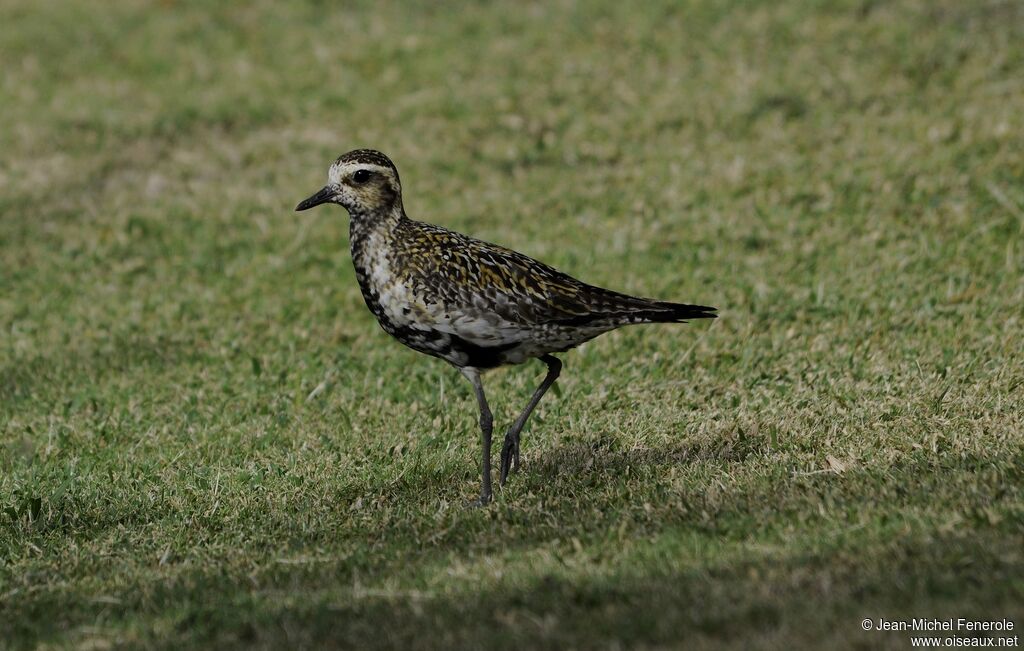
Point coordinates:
[(463, 271)]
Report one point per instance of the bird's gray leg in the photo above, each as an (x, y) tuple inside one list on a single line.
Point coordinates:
[(510, 450), (486, 428)]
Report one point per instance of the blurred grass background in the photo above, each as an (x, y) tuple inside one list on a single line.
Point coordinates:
[(843, 179)]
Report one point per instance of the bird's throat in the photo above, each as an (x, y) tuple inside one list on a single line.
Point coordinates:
[(366, 227), (371, 238)]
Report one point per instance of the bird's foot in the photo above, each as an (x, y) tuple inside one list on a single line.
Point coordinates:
[(509, 456), (479, 502)]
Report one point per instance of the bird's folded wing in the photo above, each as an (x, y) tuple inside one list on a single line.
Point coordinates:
[(490, 295), (493, 296)]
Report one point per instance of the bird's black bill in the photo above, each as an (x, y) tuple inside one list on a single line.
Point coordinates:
[(323, 196)]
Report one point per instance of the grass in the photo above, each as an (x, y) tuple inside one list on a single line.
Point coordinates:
[(842, 179)]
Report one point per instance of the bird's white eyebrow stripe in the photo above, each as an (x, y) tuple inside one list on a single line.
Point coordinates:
[(339, 172)]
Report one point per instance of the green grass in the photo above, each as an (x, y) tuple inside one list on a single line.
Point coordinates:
[(844, 180)]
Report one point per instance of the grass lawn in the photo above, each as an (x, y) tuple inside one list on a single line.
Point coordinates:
[(206, 440)]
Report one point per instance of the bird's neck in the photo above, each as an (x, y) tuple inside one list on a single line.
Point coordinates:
[(371, 235)]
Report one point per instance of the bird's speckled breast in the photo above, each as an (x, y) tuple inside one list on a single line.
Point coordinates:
[(401, 311)]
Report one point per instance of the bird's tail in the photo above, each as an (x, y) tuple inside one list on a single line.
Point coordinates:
[(607, 309), (665, 312), (614, 310)]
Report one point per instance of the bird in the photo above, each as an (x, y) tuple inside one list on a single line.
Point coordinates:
[(476, 305)]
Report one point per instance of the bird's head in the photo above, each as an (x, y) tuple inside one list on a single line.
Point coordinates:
[(364, 181)]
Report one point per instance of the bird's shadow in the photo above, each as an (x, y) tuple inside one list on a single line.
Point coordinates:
[(605, 455)]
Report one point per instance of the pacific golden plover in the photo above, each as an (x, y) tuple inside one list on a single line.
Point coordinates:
[(473, 304)]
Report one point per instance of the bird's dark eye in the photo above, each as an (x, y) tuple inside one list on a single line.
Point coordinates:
[(361, 176)]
